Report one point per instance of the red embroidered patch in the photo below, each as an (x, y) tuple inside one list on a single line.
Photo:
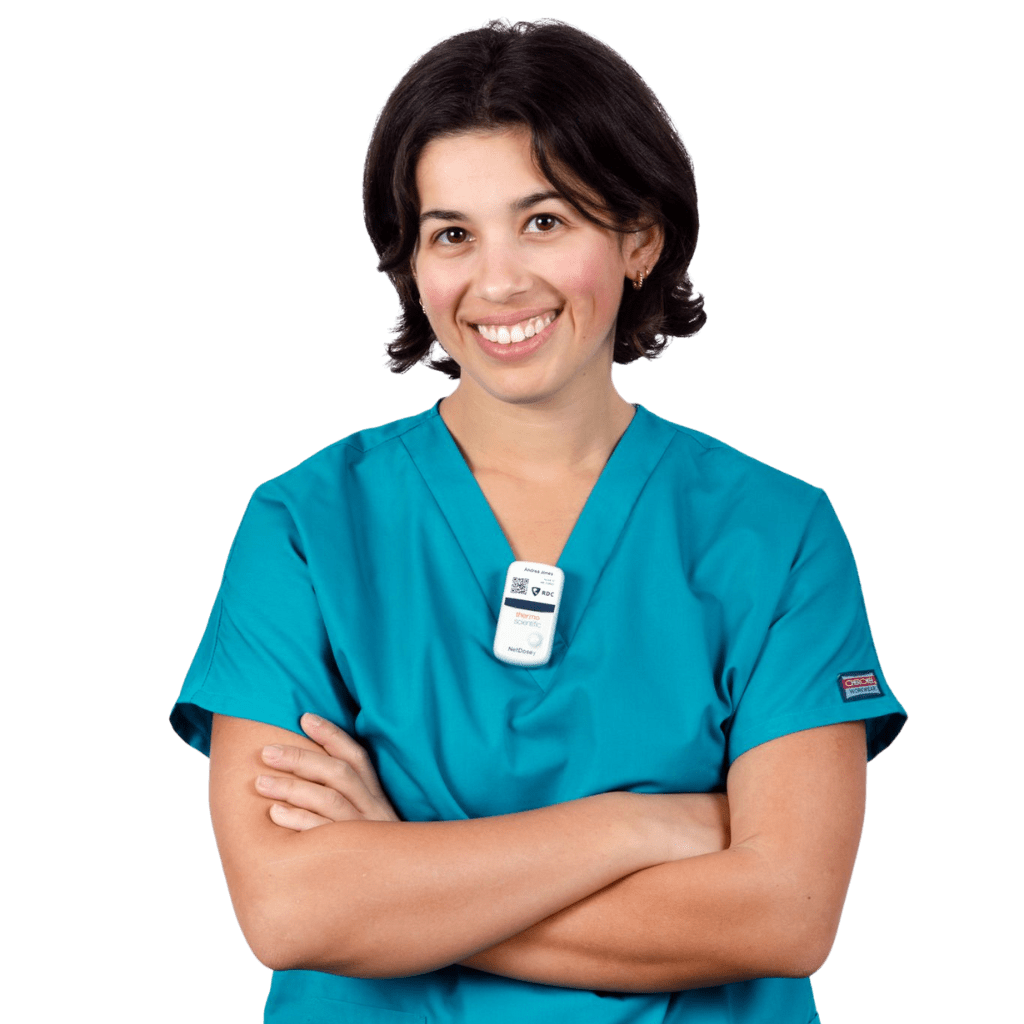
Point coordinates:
[(858, 685)]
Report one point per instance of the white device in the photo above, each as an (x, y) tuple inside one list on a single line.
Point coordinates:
[(529, 611)]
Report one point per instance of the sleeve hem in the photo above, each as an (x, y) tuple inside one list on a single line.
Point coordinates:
[(192, 716), (884, 722)]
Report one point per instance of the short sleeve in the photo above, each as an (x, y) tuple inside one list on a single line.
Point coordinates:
[(265, 654), (817, 665)]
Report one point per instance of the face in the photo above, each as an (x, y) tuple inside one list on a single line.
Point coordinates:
[(521, 290)]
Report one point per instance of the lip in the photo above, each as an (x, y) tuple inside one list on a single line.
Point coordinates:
[(513, 352), (517, 316)]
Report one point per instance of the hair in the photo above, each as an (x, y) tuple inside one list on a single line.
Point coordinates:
[(596, 128)]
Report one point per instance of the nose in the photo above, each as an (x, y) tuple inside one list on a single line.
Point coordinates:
[(500, 272)]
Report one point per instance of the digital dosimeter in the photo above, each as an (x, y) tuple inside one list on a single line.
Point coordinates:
[(528, 614)]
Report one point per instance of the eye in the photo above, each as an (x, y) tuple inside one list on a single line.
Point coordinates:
[(451, 236), (546, 216), (442, 237)]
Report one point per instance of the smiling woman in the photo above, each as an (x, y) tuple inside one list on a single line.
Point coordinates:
[(599, 140), (506, 267), (666, 807)]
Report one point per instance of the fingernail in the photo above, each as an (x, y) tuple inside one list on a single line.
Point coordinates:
[(313, 719), (264, 781), (273, 752)]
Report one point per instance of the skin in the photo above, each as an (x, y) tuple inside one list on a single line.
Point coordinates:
[(333, 779), (696, 891)]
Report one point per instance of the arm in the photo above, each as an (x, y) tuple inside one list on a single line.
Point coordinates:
[(768, 906), (389, 898)]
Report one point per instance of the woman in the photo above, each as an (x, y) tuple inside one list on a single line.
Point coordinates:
[(665, 811)]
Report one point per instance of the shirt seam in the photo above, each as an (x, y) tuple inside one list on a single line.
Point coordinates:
[(722, 446), (394, 437), (782, 586), (201, 684), (347, 442)]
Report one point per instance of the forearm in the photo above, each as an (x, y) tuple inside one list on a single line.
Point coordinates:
[(708, 920), (388, 899)]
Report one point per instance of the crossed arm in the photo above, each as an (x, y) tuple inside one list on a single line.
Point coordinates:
[(619, 891)]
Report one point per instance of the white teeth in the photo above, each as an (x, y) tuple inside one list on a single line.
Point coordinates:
[(518, 332)]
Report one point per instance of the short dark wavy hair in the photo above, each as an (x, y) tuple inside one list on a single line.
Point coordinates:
[(596, 128)]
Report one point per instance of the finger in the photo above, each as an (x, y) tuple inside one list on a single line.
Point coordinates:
[(309, 796), (339, 744), (333, 773), (295, 818)]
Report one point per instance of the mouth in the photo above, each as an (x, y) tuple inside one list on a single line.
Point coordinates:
[(515, 333)]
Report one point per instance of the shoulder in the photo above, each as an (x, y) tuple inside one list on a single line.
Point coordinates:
[(718, 476), (373, 452)]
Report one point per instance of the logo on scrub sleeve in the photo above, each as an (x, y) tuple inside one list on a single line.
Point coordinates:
[(858, 685)]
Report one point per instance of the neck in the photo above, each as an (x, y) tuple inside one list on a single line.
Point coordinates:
[(547, 439)]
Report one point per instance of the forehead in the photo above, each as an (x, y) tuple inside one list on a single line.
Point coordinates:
[(478, 169)]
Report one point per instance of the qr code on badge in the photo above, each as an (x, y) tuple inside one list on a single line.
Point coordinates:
[(519, 584)]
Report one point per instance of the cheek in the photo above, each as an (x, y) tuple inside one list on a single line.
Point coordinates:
[(594, 281), (440, 292)]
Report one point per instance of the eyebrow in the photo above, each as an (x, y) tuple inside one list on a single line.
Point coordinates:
[(517, 207)]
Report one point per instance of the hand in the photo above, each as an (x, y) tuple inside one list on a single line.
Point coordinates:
[(335, 783)]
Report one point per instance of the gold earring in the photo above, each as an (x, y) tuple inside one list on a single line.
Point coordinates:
[(639, 282)]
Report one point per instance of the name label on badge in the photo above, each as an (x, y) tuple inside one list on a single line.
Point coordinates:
[(858, 685)]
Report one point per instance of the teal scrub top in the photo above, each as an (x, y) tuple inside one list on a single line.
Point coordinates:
[(711, 604)]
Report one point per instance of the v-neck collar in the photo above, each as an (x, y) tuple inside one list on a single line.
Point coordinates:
[(594, 536)]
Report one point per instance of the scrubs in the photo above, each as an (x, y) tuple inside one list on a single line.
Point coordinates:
[(711, 604)]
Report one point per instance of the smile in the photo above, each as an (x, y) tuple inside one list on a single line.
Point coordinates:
[(517, 332)]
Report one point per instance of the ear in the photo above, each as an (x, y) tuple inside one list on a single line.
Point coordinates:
[(643, 249)]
